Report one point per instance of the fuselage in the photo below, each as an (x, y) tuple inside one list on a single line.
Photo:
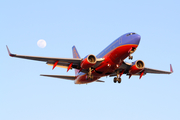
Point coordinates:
[(113, 55)]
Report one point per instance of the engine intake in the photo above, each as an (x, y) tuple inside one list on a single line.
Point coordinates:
[(136, 67), (88, 62)]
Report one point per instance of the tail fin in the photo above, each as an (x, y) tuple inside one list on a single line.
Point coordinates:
[(75, 55)]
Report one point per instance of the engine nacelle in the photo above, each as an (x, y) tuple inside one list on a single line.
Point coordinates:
[(136, 67), (88, 62)]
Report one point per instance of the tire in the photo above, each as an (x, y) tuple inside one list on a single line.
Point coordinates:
[(119, 80), (115, 80)]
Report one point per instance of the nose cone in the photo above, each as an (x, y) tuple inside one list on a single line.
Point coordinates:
[(136, 39)]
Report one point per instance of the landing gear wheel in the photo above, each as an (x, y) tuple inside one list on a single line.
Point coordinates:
[(115, 80), (130, 57), (119, 80)]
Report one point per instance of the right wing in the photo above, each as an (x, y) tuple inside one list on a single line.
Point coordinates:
[(50, 60), (60, 62)]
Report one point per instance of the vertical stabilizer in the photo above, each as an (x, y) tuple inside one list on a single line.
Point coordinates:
[(75, 55)]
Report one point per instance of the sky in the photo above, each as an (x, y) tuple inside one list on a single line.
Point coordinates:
[(90, 26)]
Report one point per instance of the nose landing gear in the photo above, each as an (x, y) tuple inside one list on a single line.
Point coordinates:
[(131, 51), (130, 57)]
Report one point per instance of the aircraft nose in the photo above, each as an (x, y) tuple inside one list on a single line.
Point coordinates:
[(137, 39)]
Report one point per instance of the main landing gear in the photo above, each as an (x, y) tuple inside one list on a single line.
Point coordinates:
[(118, 78), (89, 75), (130, 57)]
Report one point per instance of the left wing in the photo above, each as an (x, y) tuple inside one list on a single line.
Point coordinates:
[(154, 71), (125, 67)]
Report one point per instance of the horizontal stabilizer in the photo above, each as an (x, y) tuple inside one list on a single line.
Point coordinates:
[(99, 81), (61, 76)]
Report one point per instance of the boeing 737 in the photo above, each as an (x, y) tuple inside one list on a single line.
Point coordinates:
[(109, 62)]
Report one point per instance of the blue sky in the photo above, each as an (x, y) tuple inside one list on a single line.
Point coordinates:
[(91, 26)]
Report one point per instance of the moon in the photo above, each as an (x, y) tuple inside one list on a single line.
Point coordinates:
[(41, 43)]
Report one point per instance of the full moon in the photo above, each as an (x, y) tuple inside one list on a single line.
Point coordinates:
[(41, 43)]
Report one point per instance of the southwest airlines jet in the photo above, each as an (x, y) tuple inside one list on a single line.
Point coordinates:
[(109, 62)]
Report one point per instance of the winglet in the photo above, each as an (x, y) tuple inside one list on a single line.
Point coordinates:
[(9, 52), (171, 69)]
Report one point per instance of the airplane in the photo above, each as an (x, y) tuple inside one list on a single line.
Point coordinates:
[(109, 62)]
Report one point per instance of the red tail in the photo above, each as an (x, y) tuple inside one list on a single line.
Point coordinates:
[(75, 55)]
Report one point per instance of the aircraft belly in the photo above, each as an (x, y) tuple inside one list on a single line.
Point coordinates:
[(120, 53), (114, 58)]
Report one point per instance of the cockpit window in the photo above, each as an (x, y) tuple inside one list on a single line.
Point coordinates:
[(130, 34)]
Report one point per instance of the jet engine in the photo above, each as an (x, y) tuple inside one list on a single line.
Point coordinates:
[(136, 67), (88, 61)]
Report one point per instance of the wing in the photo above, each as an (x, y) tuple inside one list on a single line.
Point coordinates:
[(126, 66), (59, 62), (154, 71)]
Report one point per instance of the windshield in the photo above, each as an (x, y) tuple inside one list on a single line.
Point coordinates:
[(130, 34)]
